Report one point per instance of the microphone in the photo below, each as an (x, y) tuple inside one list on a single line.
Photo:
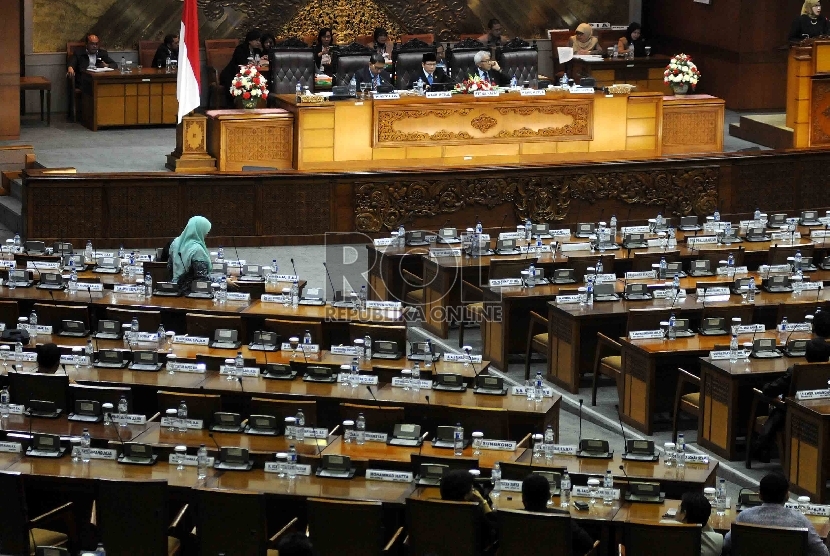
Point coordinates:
[(580, 421), (331, 282), (236, 252), (622, 468), (622, 430), (503, 222), (219, 448), (421, 447), (239, 380), (295, 268), (628, 216), (470, 359), (578, 212), (369, 388), (118, 434)]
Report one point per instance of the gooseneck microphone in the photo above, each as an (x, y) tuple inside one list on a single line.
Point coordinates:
[(622, 430), (580, 420)]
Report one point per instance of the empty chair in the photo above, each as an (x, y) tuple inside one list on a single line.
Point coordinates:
[(450, 461), (157, 270), (285, 408), (290, 67), (146, 53), (551, 533), (796, 312), (743, 312), (752, 540), (647, 539), (148, 321), (219, 53), (643, 261), (607, 362), (288, 328), (515, 471), (20, 534), (102, 394), (387, 332), (378, 418), (25, 387), (580, 264), (199, 406), (213, 361), (49, 314), (9, 313), (348, 528), (520, 59), (231, 522), (132, 518), (493, 422), (778, 254), (714, 256), (443, 527), (646, 319), (199, 324), (537, 339), (686, 398)]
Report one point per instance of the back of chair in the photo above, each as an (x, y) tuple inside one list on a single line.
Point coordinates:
[(551, 533), (378, 418), (646, 319), (199, 406), (288, 328), (146, 52), (648, 539), (285, 408), (580, 264), (407, 68), (751, 540), (158, 271), (102, 394), (232, 522), (24, 387), (214, 362), (9, 313), (289, 67), (643, 261), (14, 520), (714, 256), (49, 314), (345, 527), (348, 59), (809, 376), (443, 527), (743, 312), (493, 422), (514, 471), (388, 332), (461, 58), (132, 517), (428, 38), (518, 58), (148, 321), (509, 268), (778, 254), (796, 312), (199, 324)]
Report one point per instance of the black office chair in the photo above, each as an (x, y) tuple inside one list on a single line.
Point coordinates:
[(461, 58), (291, 62), (347, 60), (520, 59), (408, 60)]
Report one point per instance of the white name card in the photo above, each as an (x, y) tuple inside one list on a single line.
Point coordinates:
[(585, 492), (666, 293), (26, 356), (390, 476), (581, 246), (820, 233), (714, 226), (701, 240), (271, 298), (174, 422), (751, 328), (448, 252), (522, 391), (478, 94), (776, 268), (287, 278), (89, 286), (565, 449), (566, 299), (299, 469), (386, 96), (602, 278), (376, 437), (384, 241), (129, 418), (510, 486), (501, 282), (635, 230), (82, 360), (142, 258), (308, 432), (36, 330), (438, 94), (582, 90), (533, 248), (709, 292), (103, 453), (399, 382), (361, 379), (135, 290), (646, 334), (512, 235), (811, 286), (812, 394), (461, 358), (565, 232), (238, 296), (346, 350), (306, 348), (231, 263), (16, 409), (189, 461), (395, 305), (724, 354), (532, 92), (42, 265), (246, 371), (11, 447), (796, 327), (8, 264), (643, 275), (187, 367), (785, 235), (191, 340), (136, 268), (698, 459), (724, 271), (500, 445)]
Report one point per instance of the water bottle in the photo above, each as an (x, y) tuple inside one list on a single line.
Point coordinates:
[(528, 230), (122, 67), (720, 498), (300, 421), (223, 289), (716, 216), (664, 266), (274, 269), (367, 348), (750, 296), (181, 415), (89, 352), (599, 268), (354, 373), (17, 241), (458, 440), (733, 348), (239, 363), (530, 390), (782, 331), (18, 355), (361, 298), (681, 450), (307, 337), (730, 265), (428, 356), (616, 51), (538, 246), (589, 292), (495, 476), (550, 440), (360, 427), (797, 262), (100, 551), (613, 229), (416, 378), (122, 411), (672, 332), (757, 215), (295, 294), (85, 446), (134, 330), (513, 82), (148, 285), (419, 86), (608, 488), (531, 276), (565, 488), (33, 318), (401, 236), (131, 267), (162, 337), (353, 87), (601, 237), (201, 462), (292, 462), (4, 402), (564, 81), (121, 252), (73, 278), (539, 387), (675, 286), (220, 254), (89, 252), (299, 90)]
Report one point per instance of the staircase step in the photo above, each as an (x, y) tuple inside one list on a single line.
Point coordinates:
[(17, 189), (11, 213)]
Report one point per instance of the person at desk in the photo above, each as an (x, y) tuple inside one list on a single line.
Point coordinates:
[(810, 23), (633, 40), (695, 508), (322, 50), (49, 360), (457, 485), (375, 73), (168, 50), (91, 56), (189, 257), (493, 36), (381, 43), (430, 72), (535, 498), (774, 493), (488, 69), (583, 42), (266, 42), (251, 49), (818, 351)]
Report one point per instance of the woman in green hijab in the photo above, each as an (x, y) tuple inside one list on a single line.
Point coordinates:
[(189, 258)]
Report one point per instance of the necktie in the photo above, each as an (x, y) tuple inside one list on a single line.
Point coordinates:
[(485, 75), (429, 78)]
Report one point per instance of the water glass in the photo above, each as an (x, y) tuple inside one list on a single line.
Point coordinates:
[(803, 504), (230, 367), (172, 415), (593, 489), (107, 410), (76, 452), (171, 363), (295, 343), (477, 438), (286, 297), (648, 51), (181, 452), (406, 378), (348, 431), (669, 454), (710, 493), (282, 459), (538, 446), (290, 423)]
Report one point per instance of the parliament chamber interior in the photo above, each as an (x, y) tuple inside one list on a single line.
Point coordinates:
[(330, 277)]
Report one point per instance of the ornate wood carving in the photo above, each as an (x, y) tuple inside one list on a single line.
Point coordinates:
[(820, 123), (483, 123), (414, 45), (689, 128)]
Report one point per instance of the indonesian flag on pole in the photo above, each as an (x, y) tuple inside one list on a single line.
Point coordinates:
[(188, 80)]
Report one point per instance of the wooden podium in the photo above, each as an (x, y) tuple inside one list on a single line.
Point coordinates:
[(808, 93)]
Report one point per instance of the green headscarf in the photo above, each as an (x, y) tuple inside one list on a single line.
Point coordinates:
[(190, 245)]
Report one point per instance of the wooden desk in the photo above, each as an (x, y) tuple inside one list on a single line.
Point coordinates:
[(65, 428), (646, 73), (115, 99), (37, 83), (259, 137), (806, 444), (692, 124)]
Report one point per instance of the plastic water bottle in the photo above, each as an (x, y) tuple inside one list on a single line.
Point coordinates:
[(675, 286), (367, 348), (89, 252), (361, 298), (716, 216), (300, 425), (539, 387), (239, 363), (134, 330), (122, 67), (17, 240), (550, 440), (295, 294), (750, 296), (528, 230), (33, 318), (756, 215), (89, 352), (73, 278), (299, 90), (401, 236), (307, 337), (223, 289), (100, 551), (148, 285), (4, 402), (612, 229), (589, 292), (720, 498), (201, 462), (672, 332), (599, 268), (565, 488), (664, 266), (608, 488), (360, 427), (292, 462), (513, 82), (733, 348), (181, 415), (416, 378), (798, 261), (122, 411), (564, 81), (419, 86), (538, 246), (458, 440), (531, 276), (354, 373), (220, 254), (730, 265), (495, 476), (85, 446), (131, 267), (353, 87), (782, 331), (681, 450), (18, 355)]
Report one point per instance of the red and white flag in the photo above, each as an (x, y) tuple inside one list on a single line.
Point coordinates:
[(188, 80)]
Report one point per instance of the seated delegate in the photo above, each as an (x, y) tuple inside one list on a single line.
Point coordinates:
[(583, 42), (632, 40), (374, 73), (430, 73), (493, 36), (90, 56), (251, 49), (488, 69), (168, 50), (189, 257)]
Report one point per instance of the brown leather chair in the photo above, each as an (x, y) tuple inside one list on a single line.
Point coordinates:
[(200, 324), (146, 52), (646, 319), (349, 528), (285, 408), (649, 539), (219, 53), (750, 540), (199, 406), (743, 312), (778, 254), (435, 525), (643, 261), (148, 321), (288, 328), (379, 418), (49, 314), (73, 81), (551, 533), (684, 399), (607, 362), (537, 338)]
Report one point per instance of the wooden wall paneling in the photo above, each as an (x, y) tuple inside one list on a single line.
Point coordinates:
[(10, 70)]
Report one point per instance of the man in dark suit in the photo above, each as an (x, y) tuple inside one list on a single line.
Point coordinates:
[(375, 73), (168, 50), (535, 498), (489, 69), (430, 74), (88, 56)]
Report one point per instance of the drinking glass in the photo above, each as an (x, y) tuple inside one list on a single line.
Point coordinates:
[(295, 343), (181, 452)]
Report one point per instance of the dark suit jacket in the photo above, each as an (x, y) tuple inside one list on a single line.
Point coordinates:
[(239, 58), (497, 77), (438, 76), (161, 55), (80, 60), (363, 75)]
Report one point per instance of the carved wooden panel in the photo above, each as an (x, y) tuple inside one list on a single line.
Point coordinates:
[(232, 206), (561, 328), (820, 111), (304, 208), (717, 389), (806, 431), (688, 128), (764, 184), (135, 208), (636, 365)]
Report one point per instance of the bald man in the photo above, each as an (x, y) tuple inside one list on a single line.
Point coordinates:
[(89, 56)]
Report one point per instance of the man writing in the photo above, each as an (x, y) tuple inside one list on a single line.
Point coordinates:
[(375, 73), (91, 56)]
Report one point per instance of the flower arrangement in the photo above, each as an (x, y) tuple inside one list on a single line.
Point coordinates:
[(681, 71), (249, 85), (473, 84)]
